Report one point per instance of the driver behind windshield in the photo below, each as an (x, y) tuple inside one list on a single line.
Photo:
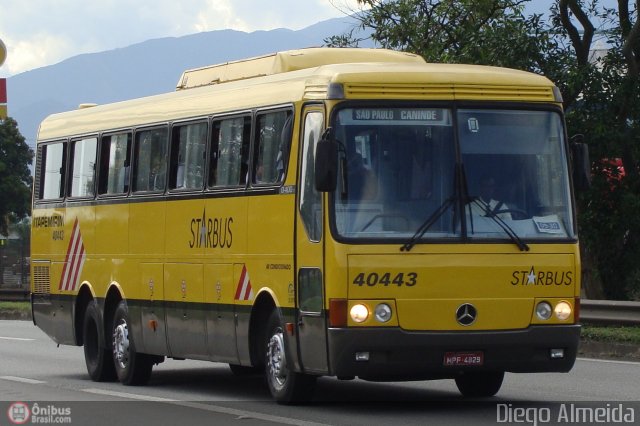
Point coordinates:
[(487, 203)]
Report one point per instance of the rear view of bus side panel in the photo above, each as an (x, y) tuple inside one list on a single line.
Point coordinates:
[(50, 232)]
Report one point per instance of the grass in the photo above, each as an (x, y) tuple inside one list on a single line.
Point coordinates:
[(612, 334), (15, 310), (15, 306)]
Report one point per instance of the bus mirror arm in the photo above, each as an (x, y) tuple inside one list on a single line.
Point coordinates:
[(326, 163), (581, 164)]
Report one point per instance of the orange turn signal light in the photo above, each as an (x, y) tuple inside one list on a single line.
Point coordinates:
[(338, 312)]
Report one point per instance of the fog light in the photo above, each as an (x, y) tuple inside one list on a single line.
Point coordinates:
[(359, 313), (562, 311), (556, 353), (543, 311), (383, 312), (362, 356)]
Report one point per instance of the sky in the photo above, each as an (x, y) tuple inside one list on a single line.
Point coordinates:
[(44, 32)]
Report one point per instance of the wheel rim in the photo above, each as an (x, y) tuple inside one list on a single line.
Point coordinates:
[(276, 360), (121, 344)]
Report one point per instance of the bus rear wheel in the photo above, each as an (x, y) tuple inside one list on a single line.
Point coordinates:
[(285, 385), (480, 384), (132, 368), (96, 355)]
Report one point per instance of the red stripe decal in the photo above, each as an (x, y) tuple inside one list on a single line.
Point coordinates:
[(241, 282), (74, 260), (66, 260)]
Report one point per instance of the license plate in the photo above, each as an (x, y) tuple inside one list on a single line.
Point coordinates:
[(463, 358)]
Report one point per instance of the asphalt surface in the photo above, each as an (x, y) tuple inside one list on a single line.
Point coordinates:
[(34, 371)]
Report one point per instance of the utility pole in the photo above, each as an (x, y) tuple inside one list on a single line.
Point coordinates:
[(3, 83), (3, 115)]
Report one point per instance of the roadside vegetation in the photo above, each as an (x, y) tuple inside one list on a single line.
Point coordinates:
[(15, 307), (612, 334)]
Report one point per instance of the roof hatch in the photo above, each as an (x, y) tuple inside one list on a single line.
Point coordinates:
[(291, 60)]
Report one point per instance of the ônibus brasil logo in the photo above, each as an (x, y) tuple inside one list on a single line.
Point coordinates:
[(19, 413)]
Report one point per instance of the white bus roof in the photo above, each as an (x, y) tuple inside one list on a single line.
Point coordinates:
[(291, 60), (292, 77)]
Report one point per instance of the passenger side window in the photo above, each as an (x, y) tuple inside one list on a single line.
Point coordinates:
[(114, 164), (229, 162), (52, 161), (187, 156), (83, 166), (271, 152), (151, 160), (310, 290)]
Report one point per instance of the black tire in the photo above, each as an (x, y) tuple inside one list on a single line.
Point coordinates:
[(480, 384), (97, 355), (132, 368), (285, 385), (241, 370)]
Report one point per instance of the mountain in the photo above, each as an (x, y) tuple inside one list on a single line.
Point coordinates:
[(144, 69)]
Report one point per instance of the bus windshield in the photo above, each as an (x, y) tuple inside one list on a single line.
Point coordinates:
[(442, 173)]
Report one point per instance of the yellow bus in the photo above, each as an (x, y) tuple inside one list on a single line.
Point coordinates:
[(318, 212)]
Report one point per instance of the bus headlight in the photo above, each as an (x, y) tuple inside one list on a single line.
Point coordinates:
[(359, 313), (383, 312), (543, 311), (562, 310)]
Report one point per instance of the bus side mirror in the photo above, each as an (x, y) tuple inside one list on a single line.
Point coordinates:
[(581, 164), (326, 165)]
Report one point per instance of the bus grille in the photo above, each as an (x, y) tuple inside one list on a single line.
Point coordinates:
[(450, 91), (41, 278)]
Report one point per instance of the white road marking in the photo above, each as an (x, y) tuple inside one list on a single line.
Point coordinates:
[(610, 361), (241, 414), (16, 338), (22, 380), (127, 395)]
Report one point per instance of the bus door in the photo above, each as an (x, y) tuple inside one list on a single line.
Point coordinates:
[(311, 321)]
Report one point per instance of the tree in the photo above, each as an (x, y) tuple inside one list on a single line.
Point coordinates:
[(608, 114), (15, 177), (454, 31)]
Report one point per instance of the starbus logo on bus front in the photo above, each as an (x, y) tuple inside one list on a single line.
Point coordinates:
[(541, 277)]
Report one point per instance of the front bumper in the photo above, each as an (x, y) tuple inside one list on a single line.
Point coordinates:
[(396, 354)]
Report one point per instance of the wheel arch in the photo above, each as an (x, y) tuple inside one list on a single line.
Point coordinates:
[(265, 303), (112, 299), (86, 295)]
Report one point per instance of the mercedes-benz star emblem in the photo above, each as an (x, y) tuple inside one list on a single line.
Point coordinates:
[(466, 314)]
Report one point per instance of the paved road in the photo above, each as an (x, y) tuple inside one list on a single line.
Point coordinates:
[(34, 370)]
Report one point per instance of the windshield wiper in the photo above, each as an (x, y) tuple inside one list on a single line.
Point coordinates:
[(488, 213), (460, 187), (428, 223), (497, 219)]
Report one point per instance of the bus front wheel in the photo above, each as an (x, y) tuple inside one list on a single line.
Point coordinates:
[(285, 385), (480, 384), (132, 368), (97, 357)]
